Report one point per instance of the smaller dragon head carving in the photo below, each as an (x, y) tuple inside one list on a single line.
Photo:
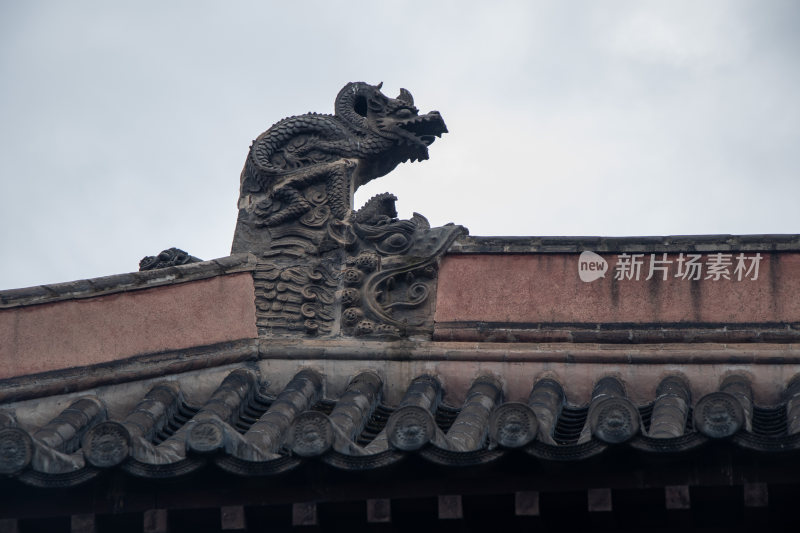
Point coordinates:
[(379, 209)]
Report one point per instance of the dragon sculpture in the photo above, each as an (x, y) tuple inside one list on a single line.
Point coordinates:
[(324, 268)]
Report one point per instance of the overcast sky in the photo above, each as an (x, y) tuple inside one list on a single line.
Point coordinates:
[(124, 126)]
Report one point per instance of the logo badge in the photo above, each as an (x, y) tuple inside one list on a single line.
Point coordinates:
[(591, 266)]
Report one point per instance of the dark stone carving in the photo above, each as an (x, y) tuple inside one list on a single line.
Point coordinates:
[(16, 450), (206, 436), (612, 417), (387, 290), (410, 428), (107, 444), (167, 258), (614, 420), (367, 137), (718, 415), (310, 434), (513, 425), (324, 268)]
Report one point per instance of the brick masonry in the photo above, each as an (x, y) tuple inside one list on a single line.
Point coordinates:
[(546, 289), (88, 331)]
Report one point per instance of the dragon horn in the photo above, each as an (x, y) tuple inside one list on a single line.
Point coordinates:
[(345, 104), (379, 86), (406, 97)]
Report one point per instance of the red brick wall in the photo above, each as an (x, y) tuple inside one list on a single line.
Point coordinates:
[(40, 338), (546, 288)]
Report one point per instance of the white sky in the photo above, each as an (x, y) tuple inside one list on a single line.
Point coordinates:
[(124, 126)]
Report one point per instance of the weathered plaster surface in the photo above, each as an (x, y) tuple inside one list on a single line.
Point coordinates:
[(53, 336), (546, 288)]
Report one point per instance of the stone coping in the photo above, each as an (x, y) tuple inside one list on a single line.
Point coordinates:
[(671, 243), (89, 288)]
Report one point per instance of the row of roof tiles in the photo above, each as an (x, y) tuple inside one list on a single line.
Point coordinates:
[(248, 432)]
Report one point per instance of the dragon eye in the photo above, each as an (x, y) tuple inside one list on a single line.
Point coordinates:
[(404, 112)]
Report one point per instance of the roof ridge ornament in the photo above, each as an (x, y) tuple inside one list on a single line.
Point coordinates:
[(325, 269), (167, 258)]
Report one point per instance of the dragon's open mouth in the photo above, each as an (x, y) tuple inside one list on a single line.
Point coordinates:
[(425, 127)]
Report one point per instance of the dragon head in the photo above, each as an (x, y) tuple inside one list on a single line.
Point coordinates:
[(395, 120)]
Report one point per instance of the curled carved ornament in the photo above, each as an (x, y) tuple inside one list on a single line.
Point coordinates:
[(16, 450), (107, 444), (614, 420), (513, 425), (718, 415), (206, 436), (410, 428), (311, 434)]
